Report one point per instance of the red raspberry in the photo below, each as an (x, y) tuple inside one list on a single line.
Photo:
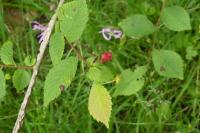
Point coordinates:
[(106, 57)]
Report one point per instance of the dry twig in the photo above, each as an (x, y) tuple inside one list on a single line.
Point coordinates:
[(42, 49)]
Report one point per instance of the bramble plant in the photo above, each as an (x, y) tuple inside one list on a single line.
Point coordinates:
[(100, 65)]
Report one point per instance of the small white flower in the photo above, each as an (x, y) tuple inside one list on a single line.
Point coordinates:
[(37, 26), (108, 33), (117, 34)]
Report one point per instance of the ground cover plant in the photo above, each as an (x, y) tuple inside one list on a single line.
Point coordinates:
[(100, 66)]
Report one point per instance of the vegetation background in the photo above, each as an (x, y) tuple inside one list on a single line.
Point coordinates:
[(163, 105)]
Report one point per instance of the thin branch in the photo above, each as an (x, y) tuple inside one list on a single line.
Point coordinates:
[(158, 21), (14, 66), (78, 54), (42, 49), (90, 50)]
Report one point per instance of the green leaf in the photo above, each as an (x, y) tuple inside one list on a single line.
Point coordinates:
[(60, 74), (137, 26), (130, 82), (100, 104), (191, 53), (21, 79), (6, 53), (101, 74), (56, 49), (176, 18), (168, 63), (163, 110), (73, 17), (29, 61), (2, 85), (7, 76)]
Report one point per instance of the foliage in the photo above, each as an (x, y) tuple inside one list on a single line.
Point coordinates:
[(168, 63), (148, 83), (56, 49), (100, 104), (7, 53), (3, 87), (100, 74), (21, 79), (176, 18), (130, 82), (73, 17), (60, 75), (137, 26)]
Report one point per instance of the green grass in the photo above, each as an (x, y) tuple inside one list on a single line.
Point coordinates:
[(162, 106)]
